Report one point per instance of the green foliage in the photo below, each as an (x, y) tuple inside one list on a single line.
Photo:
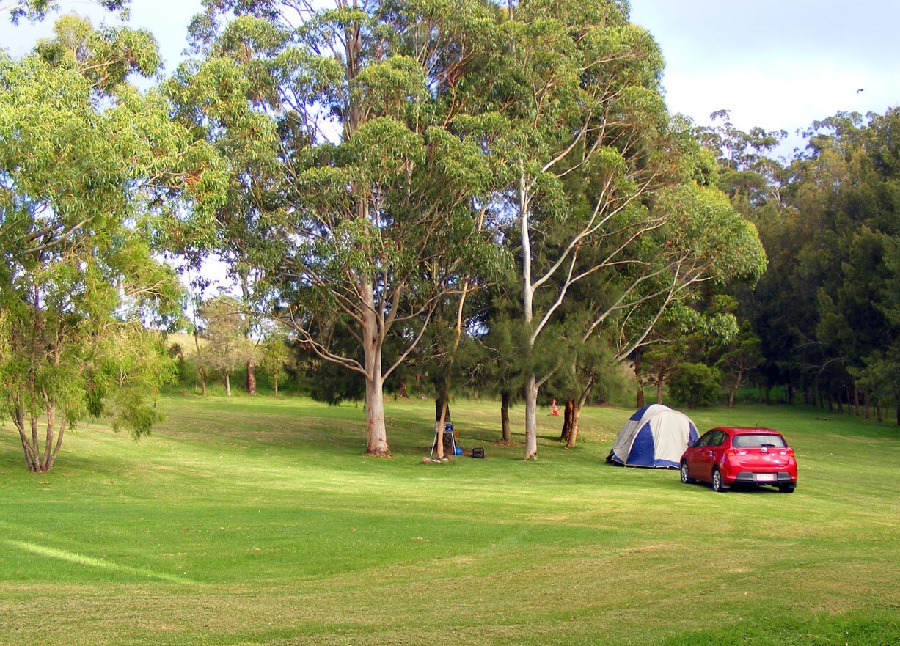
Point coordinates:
[(824, 310), (276, 356), (35, 10), (81, 158), (105, 57), (747, 174), (332, 384), (741, 356), (706, 231), (130, 364), (696, 385), (391, 87)]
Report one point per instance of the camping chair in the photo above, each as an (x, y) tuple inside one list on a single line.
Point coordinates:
[(448, 437)]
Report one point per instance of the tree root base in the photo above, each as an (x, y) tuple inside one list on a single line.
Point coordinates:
[(428, 460)]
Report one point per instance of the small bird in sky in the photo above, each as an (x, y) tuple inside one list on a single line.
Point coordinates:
[(859, 90)]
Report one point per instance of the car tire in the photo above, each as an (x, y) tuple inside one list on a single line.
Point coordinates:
[(786, 488), (685, 478), (717, 483)]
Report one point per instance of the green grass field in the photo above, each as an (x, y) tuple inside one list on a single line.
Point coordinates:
[(260, 521)]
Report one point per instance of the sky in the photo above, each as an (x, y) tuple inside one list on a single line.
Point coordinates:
[(777, 64)]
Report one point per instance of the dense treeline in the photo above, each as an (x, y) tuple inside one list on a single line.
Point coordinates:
[(423, 195), (826, 315)]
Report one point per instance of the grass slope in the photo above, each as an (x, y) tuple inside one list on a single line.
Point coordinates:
[(259, 521)]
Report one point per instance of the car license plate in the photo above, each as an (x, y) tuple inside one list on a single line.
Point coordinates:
[(766, 477)]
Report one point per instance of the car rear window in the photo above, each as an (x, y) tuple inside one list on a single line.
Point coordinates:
[(756, 441)]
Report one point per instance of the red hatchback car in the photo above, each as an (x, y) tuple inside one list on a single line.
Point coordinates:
[(726, 456)]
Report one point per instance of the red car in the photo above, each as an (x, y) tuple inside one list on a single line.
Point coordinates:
[(726, 456)]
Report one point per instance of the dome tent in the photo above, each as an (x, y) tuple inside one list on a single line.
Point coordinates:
[(655, 436)]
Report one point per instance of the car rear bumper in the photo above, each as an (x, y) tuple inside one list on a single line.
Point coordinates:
[(781, 478)]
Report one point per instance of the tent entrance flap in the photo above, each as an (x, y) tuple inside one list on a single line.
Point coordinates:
[(641, 453)]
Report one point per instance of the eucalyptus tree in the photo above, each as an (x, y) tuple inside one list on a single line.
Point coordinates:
[(748, 173), (82, 156), (502, 364), (700, 327), (450, 356), (740, 357), (589, 148), (648, 296), (580, 99), (377, 187)]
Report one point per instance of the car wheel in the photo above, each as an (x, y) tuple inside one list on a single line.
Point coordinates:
[(685, 478), (717, 483), (786, 488)]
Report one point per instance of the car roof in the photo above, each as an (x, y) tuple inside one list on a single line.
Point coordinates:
[(747, 430)]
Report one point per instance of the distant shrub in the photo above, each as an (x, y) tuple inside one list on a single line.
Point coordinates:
[(695, 385)]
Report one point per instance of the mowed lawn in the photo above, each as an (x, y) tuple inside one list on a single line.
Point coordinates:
[(260, 521)]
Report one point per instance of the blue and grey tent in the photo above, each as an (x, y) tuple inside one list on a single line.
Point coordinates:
[(655, 436)]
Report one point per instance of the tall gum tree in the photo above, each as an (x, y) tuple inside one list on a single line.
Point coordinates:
[(634, 294), (647, 303), (378, 189), (585, 147)]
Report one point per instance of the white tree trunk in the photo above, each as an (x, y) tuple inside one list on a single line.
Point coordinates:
[(531, 392), (531, 389)]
